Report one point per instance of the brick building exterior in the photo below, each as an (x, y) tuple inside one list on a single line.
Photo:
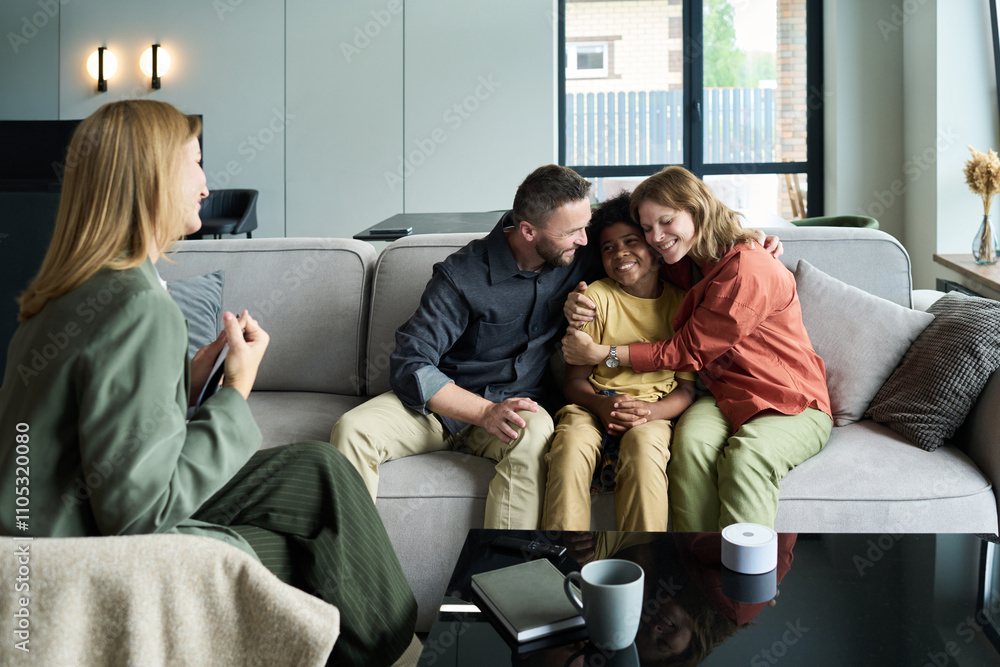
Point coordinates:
[(639, 45)]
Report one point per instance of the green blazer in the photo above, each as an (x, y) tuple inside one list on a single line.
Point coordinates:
[(99, 380)]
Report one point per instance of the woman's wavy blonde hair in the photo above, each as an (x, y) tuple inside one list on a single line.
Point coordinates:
[(717, 227), (121, 195)]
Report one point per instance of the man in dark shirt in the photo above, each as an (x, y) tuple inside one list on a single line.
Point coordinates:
[(469, 366)]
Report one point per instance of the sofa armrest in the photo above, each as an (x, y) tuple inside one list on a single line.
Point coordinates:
[(925, 298), (978, 436), (155, 600)]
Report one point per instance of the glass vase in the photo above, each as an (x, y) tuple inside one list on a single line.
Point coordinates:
[(985, 249)]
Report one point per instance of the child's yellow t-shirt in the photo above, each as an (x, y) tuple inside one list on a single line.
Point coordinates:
[(622, 319)]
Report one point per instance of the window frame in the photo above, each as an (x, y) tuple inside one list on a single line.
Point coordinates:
[(693, 100), (602, 73), (988, 575)]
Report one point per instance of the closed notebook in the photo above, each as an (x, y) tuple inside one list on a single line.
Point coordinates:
[(528, 598)]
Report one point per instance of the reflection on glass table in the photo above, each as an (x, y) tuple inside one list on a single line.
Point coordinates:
[(839, 599)]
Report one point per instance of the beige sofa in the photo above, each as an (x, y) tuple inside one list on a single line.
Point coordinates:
[(332, 306)]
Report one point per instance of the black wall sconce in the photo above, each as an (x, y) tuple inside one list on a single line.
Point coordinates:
[(154, 63), (102, 65)]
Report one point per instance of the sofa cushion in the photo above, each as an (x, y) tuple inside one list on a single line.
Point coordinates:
[(928, 397), (436, 474), (285, 417), (860, 337), (844, 488), (310, 295), (401, 273), (857, 458), (200, 301)]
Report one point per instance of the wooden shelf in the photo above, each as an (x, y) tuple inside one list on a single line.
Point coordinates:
[(988, 276)]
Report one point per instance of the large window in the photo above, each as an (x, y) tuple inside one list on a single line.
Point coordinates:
[(730, 89)]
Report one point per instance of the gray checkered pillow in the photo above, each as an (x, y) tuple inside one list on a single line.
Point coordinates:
[(929, 395)]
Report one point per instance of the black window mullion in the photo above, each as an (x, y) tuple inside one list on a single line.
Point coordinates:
[(751, 168), (815, 101), (694, 69), (561, 87), (618, 170)]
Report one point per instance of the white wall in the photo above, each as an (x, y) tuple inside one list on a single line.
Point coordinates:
[(967, 103), (329, 101), (227, 66), (951, 102), (908, 86), (344, 83), (29, 60), (920, 76), (480, 101), (863, 74), (323, 103)]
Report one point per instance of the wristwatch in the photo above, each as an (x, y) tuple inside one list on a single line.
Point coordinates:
[(612, 360)]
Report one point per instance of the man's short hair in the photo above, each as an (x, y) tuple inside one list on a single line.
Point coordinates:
[(546, 189), (615, 209)]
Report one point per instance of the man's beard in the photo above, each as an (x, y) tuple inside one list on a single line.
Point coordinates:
[(551, 254)]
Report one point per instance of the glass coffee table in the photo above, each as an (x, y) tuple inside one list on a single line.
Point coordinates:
[(842, 599)]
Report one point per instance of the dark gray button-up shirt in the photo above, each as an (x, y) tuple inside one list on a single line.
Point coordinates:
[(485, 325)]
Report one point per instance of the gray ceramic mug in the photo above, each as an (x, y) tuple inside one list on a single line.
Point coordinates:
[(612, 600)]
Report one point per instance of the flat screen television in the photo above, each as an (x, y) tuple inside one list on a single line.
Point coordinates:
[(34, 152), (32, 155)]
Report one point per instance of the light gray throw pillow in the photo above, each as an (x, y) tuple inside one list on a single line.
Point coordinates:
[(860, 337), (200, 300)]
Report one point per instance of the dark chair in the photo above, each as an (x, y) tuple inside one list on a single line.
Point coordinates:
[(227, 212)]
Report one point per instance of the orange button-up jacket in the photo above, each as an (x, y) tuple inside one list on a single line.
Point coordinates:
[(740, 328)]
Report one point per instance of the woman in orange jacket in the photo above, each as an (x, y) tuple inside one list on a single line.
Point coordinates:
[(740, 328)]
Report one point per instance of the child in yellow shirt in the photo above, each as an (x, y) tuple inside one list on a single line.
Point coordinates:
[(613, 407)]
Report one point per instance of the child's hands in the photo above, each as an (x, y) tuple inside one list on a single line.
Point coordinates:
[(627, 413), (619, 413), (605, 406)]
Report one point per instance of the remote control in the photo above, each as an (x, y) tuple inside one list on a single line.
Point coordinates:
[(530, 547)]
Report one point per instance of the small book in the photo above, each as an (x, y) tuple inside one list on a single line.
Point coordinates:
[(528, 599)]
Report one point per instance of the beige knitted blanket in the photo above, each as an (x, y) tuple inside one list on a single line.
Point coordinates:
[(153, 600)]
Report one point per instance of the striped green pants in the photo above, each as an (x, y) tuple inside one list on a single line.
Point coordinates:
[(308, 516)]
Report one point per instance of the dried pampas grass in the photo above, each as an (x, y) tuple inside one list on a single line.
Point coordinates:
[(982, 174)]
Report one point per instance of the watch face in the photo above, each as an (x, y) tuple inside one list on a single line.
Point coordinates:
[(611, 362)]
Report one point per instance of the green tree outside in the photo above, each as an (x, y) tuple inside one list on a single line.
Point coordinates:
[(723, 61), (726, 66)]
